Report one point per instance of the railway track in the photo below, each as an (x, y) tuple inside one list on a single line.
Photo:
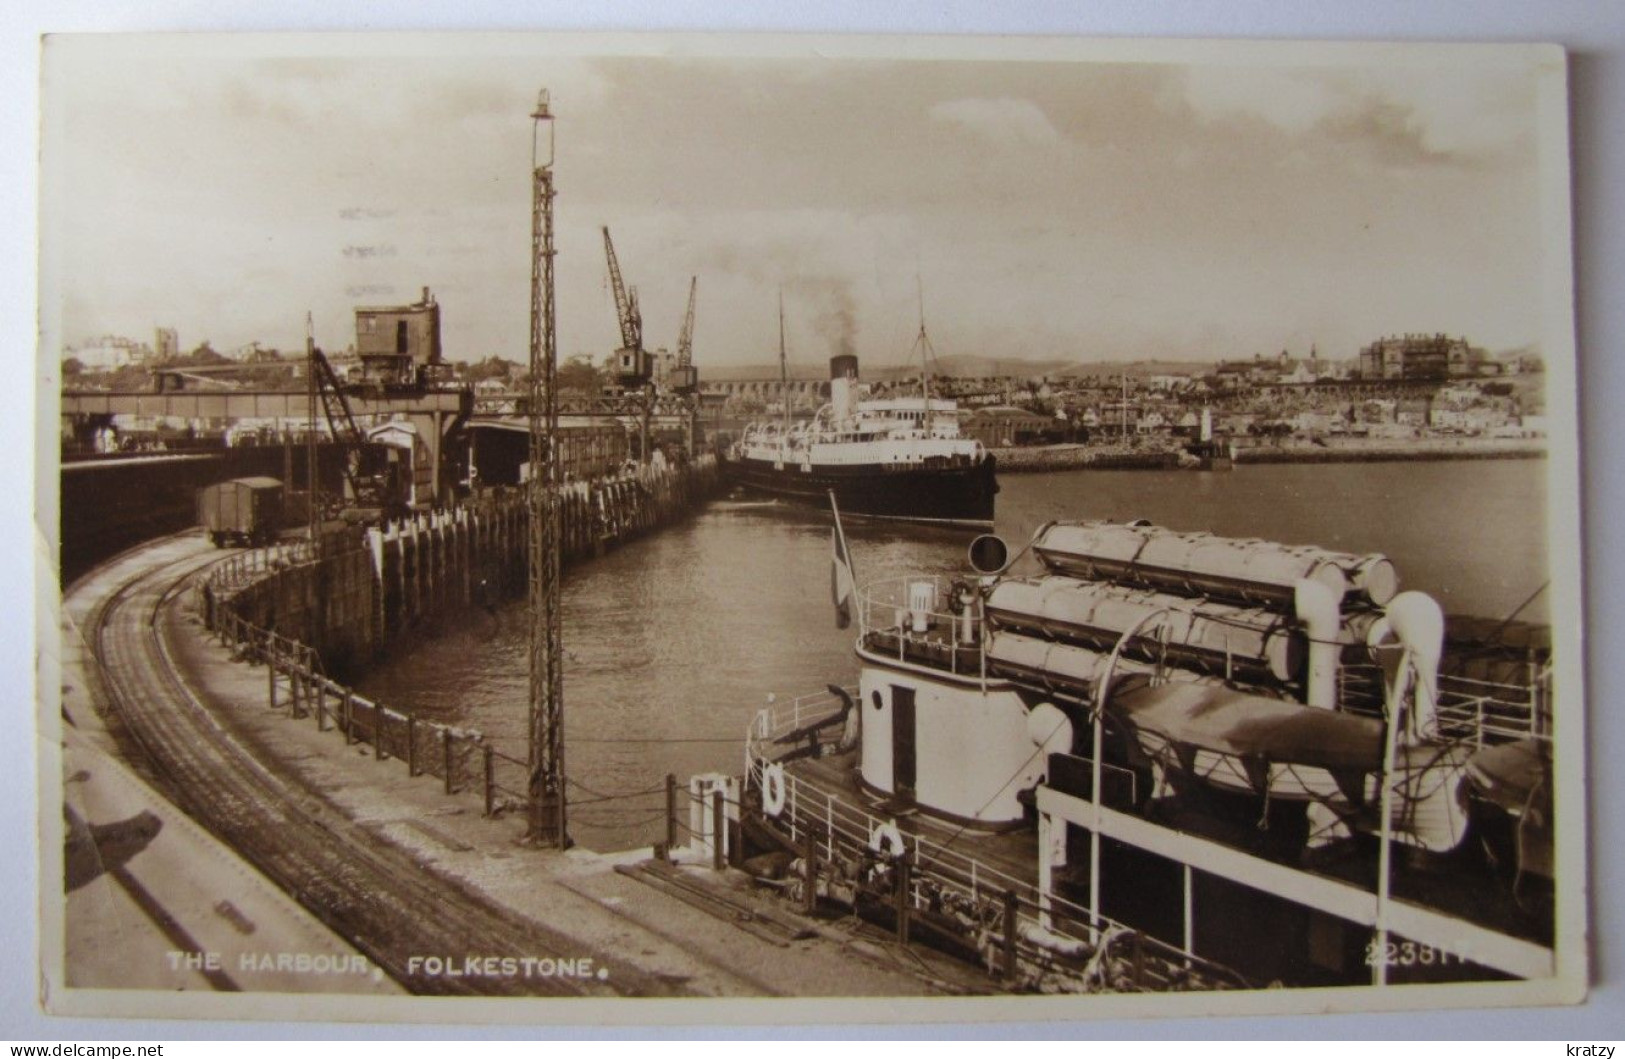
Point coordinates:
[(374, 895)]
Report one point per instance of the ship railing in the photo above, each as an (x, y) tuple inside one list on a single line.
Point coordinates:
[(1479, 711), (1019, 932), (917, 619), (779, 719)]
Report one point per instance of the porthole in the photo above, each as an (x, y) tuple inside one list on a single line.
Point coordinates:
[(878, 701)]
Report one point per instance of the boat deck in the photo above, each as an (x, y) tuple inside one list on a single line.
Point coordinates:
[(1466, 885)]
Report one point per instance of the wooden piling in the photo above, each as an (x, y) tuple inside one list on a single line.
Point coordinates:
[(809, 862), (671, 811), (490, 782), (1012, 909), (719, 819), (902, 873), (270, 669)]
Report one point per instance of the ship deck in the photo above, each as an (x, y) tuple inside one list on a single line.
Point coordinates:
[(1464, 886)]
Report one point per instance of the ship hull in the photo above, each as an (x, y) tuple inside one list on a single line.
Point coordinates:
[(961, 493)]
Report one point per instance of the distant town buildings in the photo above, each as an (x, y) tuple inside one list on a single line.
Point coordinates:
[(1401, 386), (1003, 426), (166, 344), (109, 353), (1424, 357)]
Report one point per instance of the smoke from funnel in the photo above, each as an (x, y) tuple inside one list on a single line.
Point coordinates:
[(827, 301)]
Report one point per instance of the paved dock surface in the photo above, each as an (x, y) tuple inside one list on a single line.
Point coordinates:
[(153, 900)]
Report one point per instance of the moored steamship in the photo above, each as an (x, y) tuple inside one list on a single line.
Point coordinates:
[(1167, 760), (901, 458)]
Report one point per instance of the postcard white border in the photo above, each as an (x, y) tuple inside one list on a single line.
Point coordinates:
[(1563, 471)]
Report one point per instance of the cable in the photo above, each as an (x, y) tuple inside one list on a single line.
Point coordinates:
[(619, 825), (600, 795), (658, 739)]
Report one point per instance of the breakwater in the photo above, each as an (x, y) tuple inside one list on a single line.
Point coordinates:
[(1381, 451), (353, 594), (1040, 459)]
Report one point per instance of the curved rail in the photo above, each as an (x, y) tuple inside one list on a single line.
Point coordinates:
[(367, 891)]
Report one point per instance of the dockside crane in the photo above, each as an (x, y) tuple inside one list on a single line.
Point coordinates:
[(685, 380), (631, 362), (634, 369), (372, 495)]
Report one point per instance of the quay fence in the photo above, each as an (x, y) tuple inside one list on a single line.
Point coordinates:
[(255, 564), (460, 758), (1027, 937)]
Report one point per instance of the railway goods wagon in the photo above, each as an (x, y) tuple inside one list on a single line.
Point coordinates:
[(242, 511)]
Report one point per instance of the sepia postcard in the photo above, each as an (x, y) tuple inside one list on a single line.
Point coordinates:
[(696, 529)]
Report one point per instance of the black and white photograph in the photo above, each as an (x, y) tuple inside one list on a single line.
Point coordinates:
[(919, 528)]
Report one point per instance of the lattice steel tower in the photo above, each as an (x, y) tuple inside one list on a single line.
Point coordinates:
[(547, 801)]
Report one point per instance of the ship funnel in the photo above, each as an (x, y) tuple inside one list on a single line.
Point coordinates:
[(1319, 608), (1418, 622), (843, 385)]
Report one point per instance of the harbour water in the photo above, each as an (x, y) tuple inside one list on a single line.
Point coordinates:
[(674, 641)]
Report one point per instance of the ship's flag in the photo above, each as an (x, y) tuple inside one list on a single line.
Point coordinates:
[(842, 584)]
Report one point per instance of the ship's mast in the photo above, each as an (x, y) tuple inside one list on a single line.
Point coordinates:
[(1123, 408), (784, 374), (926, 353)]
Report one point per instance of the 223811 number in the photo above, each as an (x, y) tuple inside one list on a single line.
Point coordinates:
[(1408, 954)]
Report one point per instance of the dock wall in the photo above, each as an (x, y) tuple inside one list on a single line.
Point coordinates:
[(358, 593), (113, 503)]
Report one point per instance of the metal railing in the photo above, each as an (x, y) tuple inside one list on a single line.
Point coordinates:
[(250, 565), (1480, 712), (911, 620), (919, 619), (460, 758), (1039, 939)]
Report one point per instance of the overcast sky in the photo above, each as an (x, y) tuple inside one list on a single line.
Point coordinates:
[(1050, 209)]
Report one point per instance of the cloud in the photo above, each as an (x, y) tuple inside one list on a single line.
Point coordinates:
[(1403, 114), (1003, 120), (1293, 101)]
